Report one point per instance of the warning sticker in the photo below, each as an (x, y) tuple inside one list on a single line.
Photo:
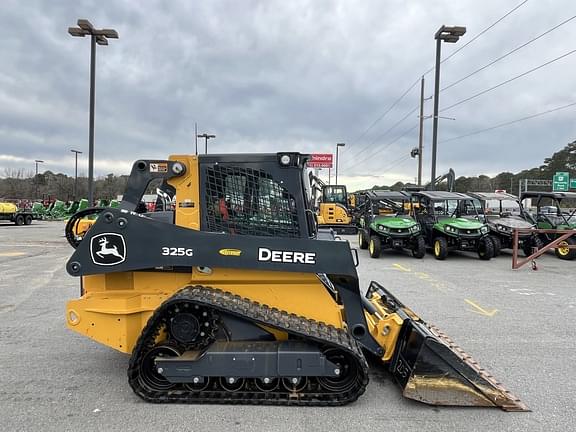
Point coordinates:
[(159, 167)]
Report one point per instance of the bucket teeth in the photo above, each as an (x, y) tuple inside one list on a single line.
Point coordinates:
[(432, 369)]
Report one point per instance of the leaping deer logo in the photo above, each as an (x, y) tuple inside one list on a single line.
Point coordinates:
[(105, 250)]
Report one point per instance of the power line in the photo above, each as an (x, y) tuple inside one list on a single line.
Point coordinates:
[(510, 122), (387, 131), (480, 34), (375, 122), (509, 53), (391, 165), (406, 132), (474, 96)]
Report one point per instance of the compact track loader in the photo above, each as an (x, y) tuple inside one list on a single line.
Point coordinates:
[(233, 297)]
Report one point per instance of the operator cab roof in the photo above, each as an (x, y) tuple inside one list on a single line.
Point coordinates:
[(499, 196), (389, 195), (442, 195), (557, 195)]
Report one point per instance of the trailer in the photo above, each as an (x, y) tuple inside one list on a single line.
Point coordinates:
[(10, 212)]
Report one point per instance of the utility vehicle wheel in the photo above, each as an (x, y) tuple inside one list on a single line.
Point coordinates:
[(375, 246), (534, 242), (419, 248), (362, 240), (440, 248), (563, 252), (497, 245), (19, 220), (485, 248), (28, 220)]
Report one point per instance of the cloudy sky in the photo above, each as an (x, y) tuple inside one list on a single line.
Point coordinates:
[(266, 76)]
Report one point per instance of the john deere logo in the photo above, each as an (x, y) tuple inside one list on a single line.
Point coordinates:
[(107, 249), (230, 252)]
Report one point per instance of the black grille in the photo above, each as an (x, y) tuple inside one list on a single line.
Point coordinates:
[(248, 201)]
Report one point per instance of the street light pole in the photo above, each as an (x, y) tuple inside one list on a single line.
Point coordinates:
[(99, 37), (36, 177), (338, 145), (206, 137), (76, 152), (450, 35)]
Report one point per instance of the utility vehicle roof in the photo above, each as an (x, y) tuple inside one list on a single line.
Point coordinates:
[(557, 195), (442, 195), (500, 196), (389, 195)]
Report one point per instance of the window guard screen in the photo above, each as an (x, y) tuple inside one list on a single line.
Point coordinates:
[(248, 201)]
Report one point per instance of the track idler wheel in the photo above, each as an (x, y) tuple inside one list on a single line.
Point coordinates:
[(346, 370), (150, 376)]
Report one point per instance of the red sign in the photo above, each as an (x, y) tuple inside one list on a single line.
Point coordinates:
[(320, 160)]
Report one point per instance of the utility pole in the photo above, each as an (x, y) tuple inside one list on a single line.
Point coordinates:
[(76, 152), (421, 133), (99, 37)]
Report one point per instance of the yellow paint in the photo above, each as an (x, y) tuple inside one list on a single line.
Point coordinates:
[(384, 327), (11, 254), (187, 193), (437, 248), (116, 306), (230, 252), (480, 310), (401, 268), (563, 248), (333, 214)]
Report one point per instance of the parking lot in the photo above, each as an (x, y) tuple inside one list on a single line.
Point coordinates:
[(519, 325)]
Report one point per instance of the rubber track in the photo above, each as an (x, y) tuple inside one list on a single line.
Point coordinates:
[(325, 335)]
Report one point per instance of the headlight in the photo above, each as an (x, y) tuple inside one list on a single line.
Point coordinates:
[(285, 159), (448, 228), (484, 229), (383, 228), (415, 228), (502, 228)]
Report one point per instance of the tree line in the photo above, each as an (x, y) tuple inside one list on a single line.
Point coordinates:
[(21, 184), (48, 186), (563, 161)]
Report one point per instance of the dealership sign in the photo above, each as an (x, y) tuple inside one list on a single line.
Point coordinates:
[(320, 160)]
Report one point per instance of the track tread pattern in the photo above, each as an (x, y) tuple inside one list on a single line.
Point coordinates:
[(325, 335)]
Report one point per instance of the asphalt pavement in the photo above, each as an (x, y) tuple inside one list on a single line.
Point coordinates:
[(519, 325)]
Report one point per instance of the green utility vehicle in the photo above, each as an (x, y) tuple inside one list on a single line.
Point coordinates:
[(385, 223), (503, 213), (450, 221), (550, 215)]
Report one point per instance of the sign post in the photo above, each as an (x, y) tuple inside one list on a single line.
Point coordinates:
[(320, 160)]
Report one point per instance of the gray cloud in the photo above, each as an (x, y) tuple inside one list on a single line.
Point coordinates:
[(274, 75)]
